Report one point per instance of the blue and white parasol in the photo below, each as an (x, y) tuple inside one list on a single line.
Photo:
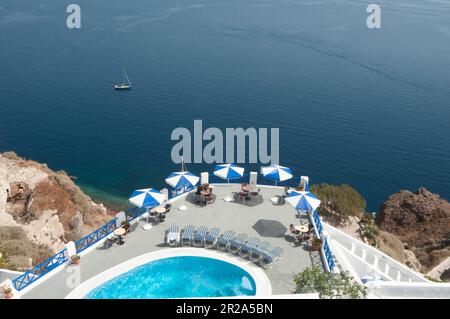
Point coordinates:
[(183, 181), (276, 173), (228, 171), (304, 201), (148, 197)]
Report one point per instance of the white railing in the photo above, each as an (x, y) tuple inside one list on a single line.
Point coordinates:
[(377, 260), (358, 265), (344, 263)]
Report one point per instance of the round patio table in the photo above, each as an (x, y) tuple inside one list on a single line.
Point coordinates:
[(120, 232), (302, 228), (160, 209)]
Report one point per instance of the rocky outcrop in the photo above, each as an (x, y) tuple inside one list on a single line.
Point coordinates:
[(422, 221), (48, 207), (411, 261)]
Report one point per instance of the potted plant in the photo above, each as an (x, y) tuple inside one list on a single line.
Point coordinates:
[(316, 244), (75, 259), (8, 293)]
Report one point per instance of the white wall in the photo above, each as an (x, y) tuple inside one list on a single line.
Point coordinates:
[(410, 290), (6, 274)]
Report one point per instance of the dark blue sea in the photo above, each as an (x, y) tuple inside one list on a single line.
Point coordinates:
[(365, 107)]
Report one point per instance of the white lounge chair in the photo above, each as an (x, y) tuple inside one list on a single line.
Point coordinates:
[(268, 258), (235, 244), (198, 240), (186, 237), (211, 238), (224, 240), (246, 248), (257, 252), (173, 236)]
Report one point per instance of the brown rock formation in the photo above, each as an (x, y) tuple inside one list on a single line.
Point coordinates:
[(47, 206), (422, 221)]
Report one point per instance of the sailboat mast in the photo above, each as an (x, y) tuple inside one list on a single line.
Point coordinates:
[(126, 75)]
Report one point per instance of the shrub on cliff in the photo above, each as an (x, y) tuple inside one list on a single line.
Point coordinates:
[(368, 230), (3, 260), (391, 245), (328, 285), (16, 248), (339, 201)]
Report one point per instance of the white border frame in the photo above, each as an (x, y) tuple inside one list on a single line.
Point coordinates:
[(262, 282)]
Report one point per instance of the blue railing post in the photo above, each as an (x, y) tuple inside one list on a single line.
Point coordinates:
[(95, 236), (325, 246), (318, 223), (39, 270), (328, 255)]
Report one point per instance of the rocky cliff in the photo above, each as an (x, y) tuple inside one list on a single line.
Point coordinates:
[(42, 208), (422, 221)]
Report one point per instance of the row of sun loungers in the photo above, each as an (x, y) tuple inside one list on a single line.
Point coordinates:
[(257, 250)]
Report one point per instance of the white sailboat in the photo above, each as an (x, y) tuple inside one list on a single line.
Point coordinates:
[(123, 85)]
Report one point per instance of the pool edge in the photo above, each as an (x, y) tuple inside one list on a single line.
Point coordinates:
[(262, 282)]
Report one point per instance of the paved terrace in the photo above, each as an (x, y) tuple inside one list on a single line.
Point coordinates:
[(239, 217)]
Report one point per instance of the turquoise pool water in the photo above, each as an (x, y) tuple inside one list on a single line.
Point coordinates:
[(178, 277)]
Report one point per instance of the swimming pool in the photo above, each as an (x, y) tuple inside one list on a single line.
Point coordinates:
[(178, 277)]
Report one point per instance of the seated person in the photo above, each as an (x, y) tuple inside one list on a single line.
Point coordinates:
[(209, 196), (244, 191), (206, 192), (305, 236), (296, 233), (126, 225), (293, 230)]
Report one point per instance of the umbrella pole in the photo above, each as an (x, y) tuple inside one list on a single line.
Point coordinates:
[(182, 207), (228, 198), (148, 225)]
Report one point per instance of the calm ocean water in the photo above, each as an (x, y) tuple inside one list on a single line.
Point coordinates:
[(369, 108)]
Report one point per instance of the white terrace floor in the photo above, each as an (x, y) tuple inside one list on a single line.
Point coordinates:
[(239, 217)]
